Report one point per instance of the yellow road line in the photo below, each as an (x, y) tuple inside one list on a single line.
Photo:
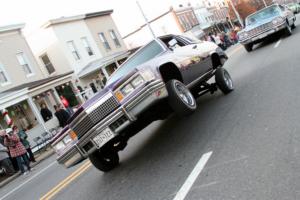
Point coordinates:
[(234, 51), (66, 181)]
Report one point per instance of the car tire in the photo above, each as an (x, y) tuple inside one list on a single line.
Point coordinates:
[(288, 30), (104, 162), (224, 81), (180, 98), (248, 47)]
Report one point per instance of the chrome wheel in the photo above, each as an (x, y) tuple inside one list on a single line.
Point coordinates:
[(184, 94), (228, 80)]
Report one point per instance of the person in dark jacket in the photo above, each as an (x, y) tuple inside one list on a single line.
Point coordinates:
[(62, 116), (46, 113)]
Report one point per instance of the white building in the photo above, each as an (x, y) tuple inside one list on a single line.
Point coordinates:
[(89, 44)]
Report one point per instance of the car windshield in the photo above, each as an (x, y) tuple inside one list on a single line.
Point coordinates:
[(145, 54), (262, 15)]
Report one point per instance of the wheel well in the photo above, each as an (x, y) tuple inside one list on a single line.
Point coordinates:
[(170, 71), (216, 60)]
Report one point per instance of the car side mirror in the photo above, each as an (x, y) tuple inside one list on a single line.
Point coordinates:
[(172, 43)]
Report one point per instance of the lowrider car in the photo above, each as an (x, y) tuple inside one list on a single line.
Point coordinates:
[(163, 76), (265, 23)]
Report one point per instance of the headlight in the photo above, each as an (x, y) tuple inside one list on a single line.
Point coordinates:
[(137, 81), (147, 74), (243, 35), (278, 20), (130, 87), (67, 139), (59, 146), (71, 136), (127, 89)]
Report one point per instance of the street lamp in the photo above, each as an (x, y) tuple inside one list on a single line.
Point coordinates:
[(147, 22)]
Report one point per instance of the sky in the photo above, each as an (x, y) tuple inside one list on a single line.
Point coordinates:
[(36, 12)]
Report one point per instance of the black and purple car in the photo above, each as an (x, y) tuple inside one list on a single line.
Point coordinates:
[(165, 75)]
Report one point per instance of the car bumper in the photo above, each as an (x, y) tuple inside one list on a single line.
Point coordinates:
[(261, 36), (150, 94)]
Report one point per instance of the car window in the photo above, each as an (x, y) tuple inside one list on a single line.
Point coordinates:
[(148, 52), (262, 15), (282, 8)]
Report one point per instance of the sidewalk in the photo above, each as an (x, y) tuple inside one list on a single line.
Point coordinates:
[(39, 158)]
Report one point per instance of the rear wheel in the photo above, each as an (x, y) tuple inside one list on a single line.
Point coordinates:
[(104, 162), (180, 98), (248, 47), (224, 81)]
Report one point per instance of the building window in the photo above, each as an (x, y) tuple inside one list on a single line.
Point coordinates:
[(73, 50), (115, 38), (48, 64), (87, 46), (23, 61), (104, 41), (3, 76)]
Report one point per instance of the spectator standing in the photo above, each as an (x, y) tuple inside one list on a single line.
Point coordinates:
[(62, 116), (66, 105), (46, 113), (16, 149), (5, 161), (23, 137)]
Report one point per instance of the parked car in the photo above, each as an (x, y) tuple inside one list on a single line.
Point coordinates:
[(163, 76), (294, 7), (264, 23)]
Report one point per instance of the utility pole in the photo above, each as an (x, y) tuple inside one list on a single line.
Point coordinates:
[(265, 3), (236, 13), (147, 22)]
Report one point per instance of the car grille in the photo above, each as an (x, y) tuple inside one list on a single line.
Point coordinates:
[(260, 29), (89, 120)]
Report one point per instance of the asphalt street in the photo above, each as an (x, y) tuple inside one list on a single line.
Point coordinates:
[(252, 137)]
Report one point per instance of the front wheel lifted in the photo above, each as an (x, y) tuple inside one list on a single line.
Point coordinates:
[(104, 162), (248, 47), (180, 98), (224, 81)]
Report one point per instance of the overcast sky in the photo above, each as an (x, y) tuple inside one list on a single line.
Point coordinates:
[(36, 12)]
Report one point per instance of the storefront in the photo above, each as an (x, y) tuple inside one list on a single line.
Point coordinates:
[(22, 106)]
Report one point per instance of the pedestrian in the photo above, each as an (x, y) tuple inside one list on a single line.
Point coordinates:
[(218, 41), (210, 35), (46, 113), (67, 105), (5, 161), (16, 149), (23, 137), (62, 116)]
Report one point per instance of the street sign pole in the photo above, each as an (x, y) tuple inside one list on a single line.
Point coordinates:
[(147, 22)]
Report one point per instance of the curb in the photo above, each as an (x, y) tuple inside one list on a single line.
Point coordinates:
[(13, 177)]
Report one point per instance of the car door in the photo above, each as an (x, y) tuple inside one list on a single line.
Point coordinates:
[(194, 60)]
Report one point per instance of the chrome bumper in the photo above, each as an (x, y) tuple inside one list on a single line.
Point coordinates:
[(263, 35), (147, 96)]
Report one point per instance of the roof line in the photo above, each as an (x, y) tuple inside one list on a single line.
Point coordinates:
[(76, 18), (12, 27)]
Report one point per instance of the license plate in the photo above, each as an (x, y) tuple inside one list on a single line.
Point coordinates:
[(105, 136)]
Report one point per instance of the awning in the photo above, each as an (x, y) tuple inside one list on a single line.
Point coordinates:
[(100, 63)]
